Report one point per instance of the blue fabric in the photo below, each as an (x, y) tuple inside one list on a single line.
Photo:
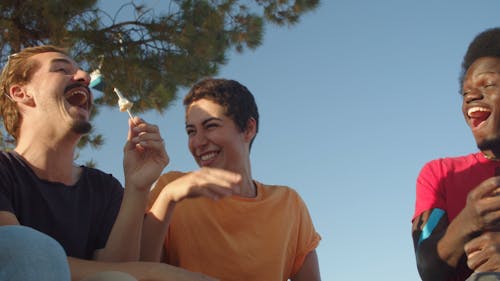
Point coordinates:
[(28, 255), (433, 220)]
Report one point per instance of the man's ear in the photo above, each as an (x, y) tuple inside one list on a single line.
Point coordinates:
[(251, 129), (19, 94)]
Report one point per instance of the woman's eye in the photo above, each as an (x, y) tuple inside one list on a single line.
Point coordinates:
[(211, 125)]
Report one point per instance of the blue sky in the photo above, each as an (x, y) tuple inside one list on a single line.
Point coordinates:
[(354, 100)]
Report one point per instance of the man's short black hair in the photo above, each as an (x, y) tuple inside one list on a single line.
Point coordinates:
[(485, 44)]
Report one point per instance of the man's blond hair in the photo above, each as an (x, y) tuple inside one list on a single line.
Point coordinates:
[(18, 70)]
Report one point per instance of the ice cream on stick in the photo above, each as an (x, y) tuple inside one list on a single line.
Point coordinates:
[(96, 80), (123, 103)]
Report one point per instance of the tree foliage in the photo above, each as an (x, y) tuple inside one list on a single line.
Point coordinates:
[(152, 54)]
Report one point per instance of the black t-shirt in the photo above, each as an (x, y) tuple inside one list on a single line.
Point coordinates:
[(80, 217)]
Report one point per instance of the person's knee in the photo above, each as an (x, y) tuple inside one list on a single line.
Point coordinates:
[(26, 241), (27, 254), (485, 276)]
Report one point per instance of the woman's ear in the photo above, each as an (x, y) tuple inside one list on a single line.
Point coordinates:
[(18, 93), (251, 129)]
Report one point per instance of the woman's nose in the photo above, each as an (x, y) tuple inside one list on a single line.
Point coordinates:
[(199, 139)]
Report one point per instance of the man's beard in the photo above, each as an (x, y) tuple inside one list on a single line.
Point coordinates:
[(81, 127), (490, 144)]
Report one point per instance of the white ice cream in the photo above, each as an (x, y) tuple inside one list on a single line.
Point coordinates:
[(123, 103)]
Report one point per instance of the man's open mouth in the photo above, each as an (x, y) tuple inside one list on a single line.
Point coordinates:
[(77, 95), (478, 115)]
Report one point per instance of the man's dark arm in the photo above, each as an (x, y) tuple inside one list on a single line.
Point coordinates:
[(433, 263)]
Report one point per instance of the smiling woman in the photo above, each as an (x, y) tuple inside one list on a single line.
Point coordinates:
[(214, 139), (228, 208)]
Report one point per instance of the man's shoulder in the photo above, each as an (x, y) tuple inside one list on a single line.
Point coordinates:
[(97, 176), (456, 161), (11, 160), (7, 156)]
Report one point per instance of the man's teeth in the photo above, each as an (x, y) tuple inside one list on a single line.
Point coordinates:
[(79, 93), (476, 109), (208, 156), (77, 98)]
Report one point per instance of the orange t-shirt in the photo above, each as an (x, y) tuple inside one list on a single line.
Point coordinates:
[(235, 239)]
